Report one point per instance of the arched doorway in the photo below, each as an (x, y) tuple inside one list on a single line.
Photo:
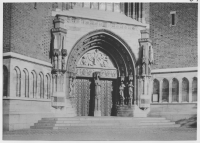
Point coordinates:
[(104, 52)]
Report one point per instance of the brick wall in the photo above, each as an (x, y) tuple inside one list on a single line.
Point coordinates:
[(174, 46), (6, 26), (29, 29)]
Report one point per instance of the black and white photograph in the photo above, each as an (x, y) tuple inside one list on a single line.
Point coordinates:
[(99, 71)]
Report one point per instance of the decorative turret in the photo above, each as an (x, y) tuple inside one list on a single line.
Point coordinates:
[(58, 62), (144, 77)]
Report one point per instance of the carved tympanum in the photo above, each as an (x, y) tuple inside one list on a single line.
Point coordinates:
[(95, 58)]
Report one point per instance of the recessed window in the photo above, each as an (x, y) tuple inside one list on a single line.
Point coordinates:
[(173, 18)]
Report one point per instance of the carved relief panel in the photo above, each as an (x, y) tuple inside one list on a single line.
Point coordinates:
[(95, 58)]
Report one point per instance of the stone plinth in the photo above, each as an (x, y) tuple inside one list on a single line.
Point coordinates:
[(97, 113), (131, 111)]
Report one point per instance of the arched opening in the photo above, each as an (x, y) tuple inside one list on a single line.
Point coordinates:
[(5, 81), (33, 84), (165, 91), (48, 85), (156, 87), (17, 79), (175, 89), (104, 52), (185, 90), (25, 83), (194, 89), (41, 85)]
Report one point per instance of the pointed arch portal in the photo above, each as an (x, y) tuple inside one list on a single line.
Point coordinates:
[(105, 52)]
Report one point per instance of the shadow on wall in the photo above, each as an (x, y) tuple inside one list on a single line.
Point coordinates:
[(189, 123)]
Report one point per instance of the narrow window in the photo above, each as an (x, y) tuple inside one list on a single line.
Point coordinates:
[(173, 18)]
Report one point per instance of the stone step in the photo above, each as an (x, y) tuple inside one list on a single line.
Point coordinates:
[(103, 118), (41, 127), (110, 122), (117, 127), (152, 121), (106, 126), (99, 121), (102, 124), (168, 123)]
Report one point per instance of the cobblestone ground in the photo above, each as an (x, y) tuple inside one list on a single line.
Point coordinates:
[(104, 134)]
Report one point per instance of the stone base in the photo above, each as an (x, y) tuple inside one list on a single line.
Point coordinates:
[(97, 113), (131, 111)]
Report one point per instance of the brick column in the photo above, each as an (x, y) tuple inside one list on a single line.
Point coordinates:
[(180, 91), (170, 91), (190, 90), (160, 91)]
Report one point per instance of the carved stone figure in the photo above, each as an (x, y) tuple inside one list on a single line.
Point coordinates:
[(55, 62), (71, 88), (97, 110), (121, 90), (151, 59), (97, 86), (105, 62), (130, 89), (89, 61), (83, 61), (143, 69), (63, 63)]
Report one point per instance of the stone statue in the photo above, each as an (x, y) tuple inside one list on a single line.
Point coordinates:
[(121, 90), (130, 89), (71, 88), (97, 109), (63, 63), (55, 62), (143, 69), (151, 59), (97, 86)]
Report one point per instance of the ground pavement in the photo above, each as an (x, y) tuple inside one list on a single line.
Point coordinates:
[(104, 134)]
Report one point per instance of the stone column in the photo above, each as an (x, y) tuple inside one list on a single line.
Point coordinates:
[(129, 9), (151, 89), (139, 11), (143, 14), (180, 91), (170, 91), (190, 90), (133, 10), (160, 91), (12, 83)]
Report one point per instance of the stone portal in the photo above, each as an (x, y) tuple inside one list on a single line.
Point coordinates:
[(91, 88)]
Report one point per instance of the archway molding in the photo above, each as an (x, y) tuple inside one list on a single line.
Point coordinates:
[(113, 45)]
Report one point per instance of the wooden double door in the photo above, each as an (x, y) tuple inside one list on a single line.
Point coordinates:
[(85, 97)]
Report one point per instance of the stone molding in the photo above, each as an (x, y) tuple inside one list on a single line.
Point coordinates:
[(56, 30), (144, 40), (99, 23), (122, 53), (175, 70), (27, 99), (172, 103), (25, 58)]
